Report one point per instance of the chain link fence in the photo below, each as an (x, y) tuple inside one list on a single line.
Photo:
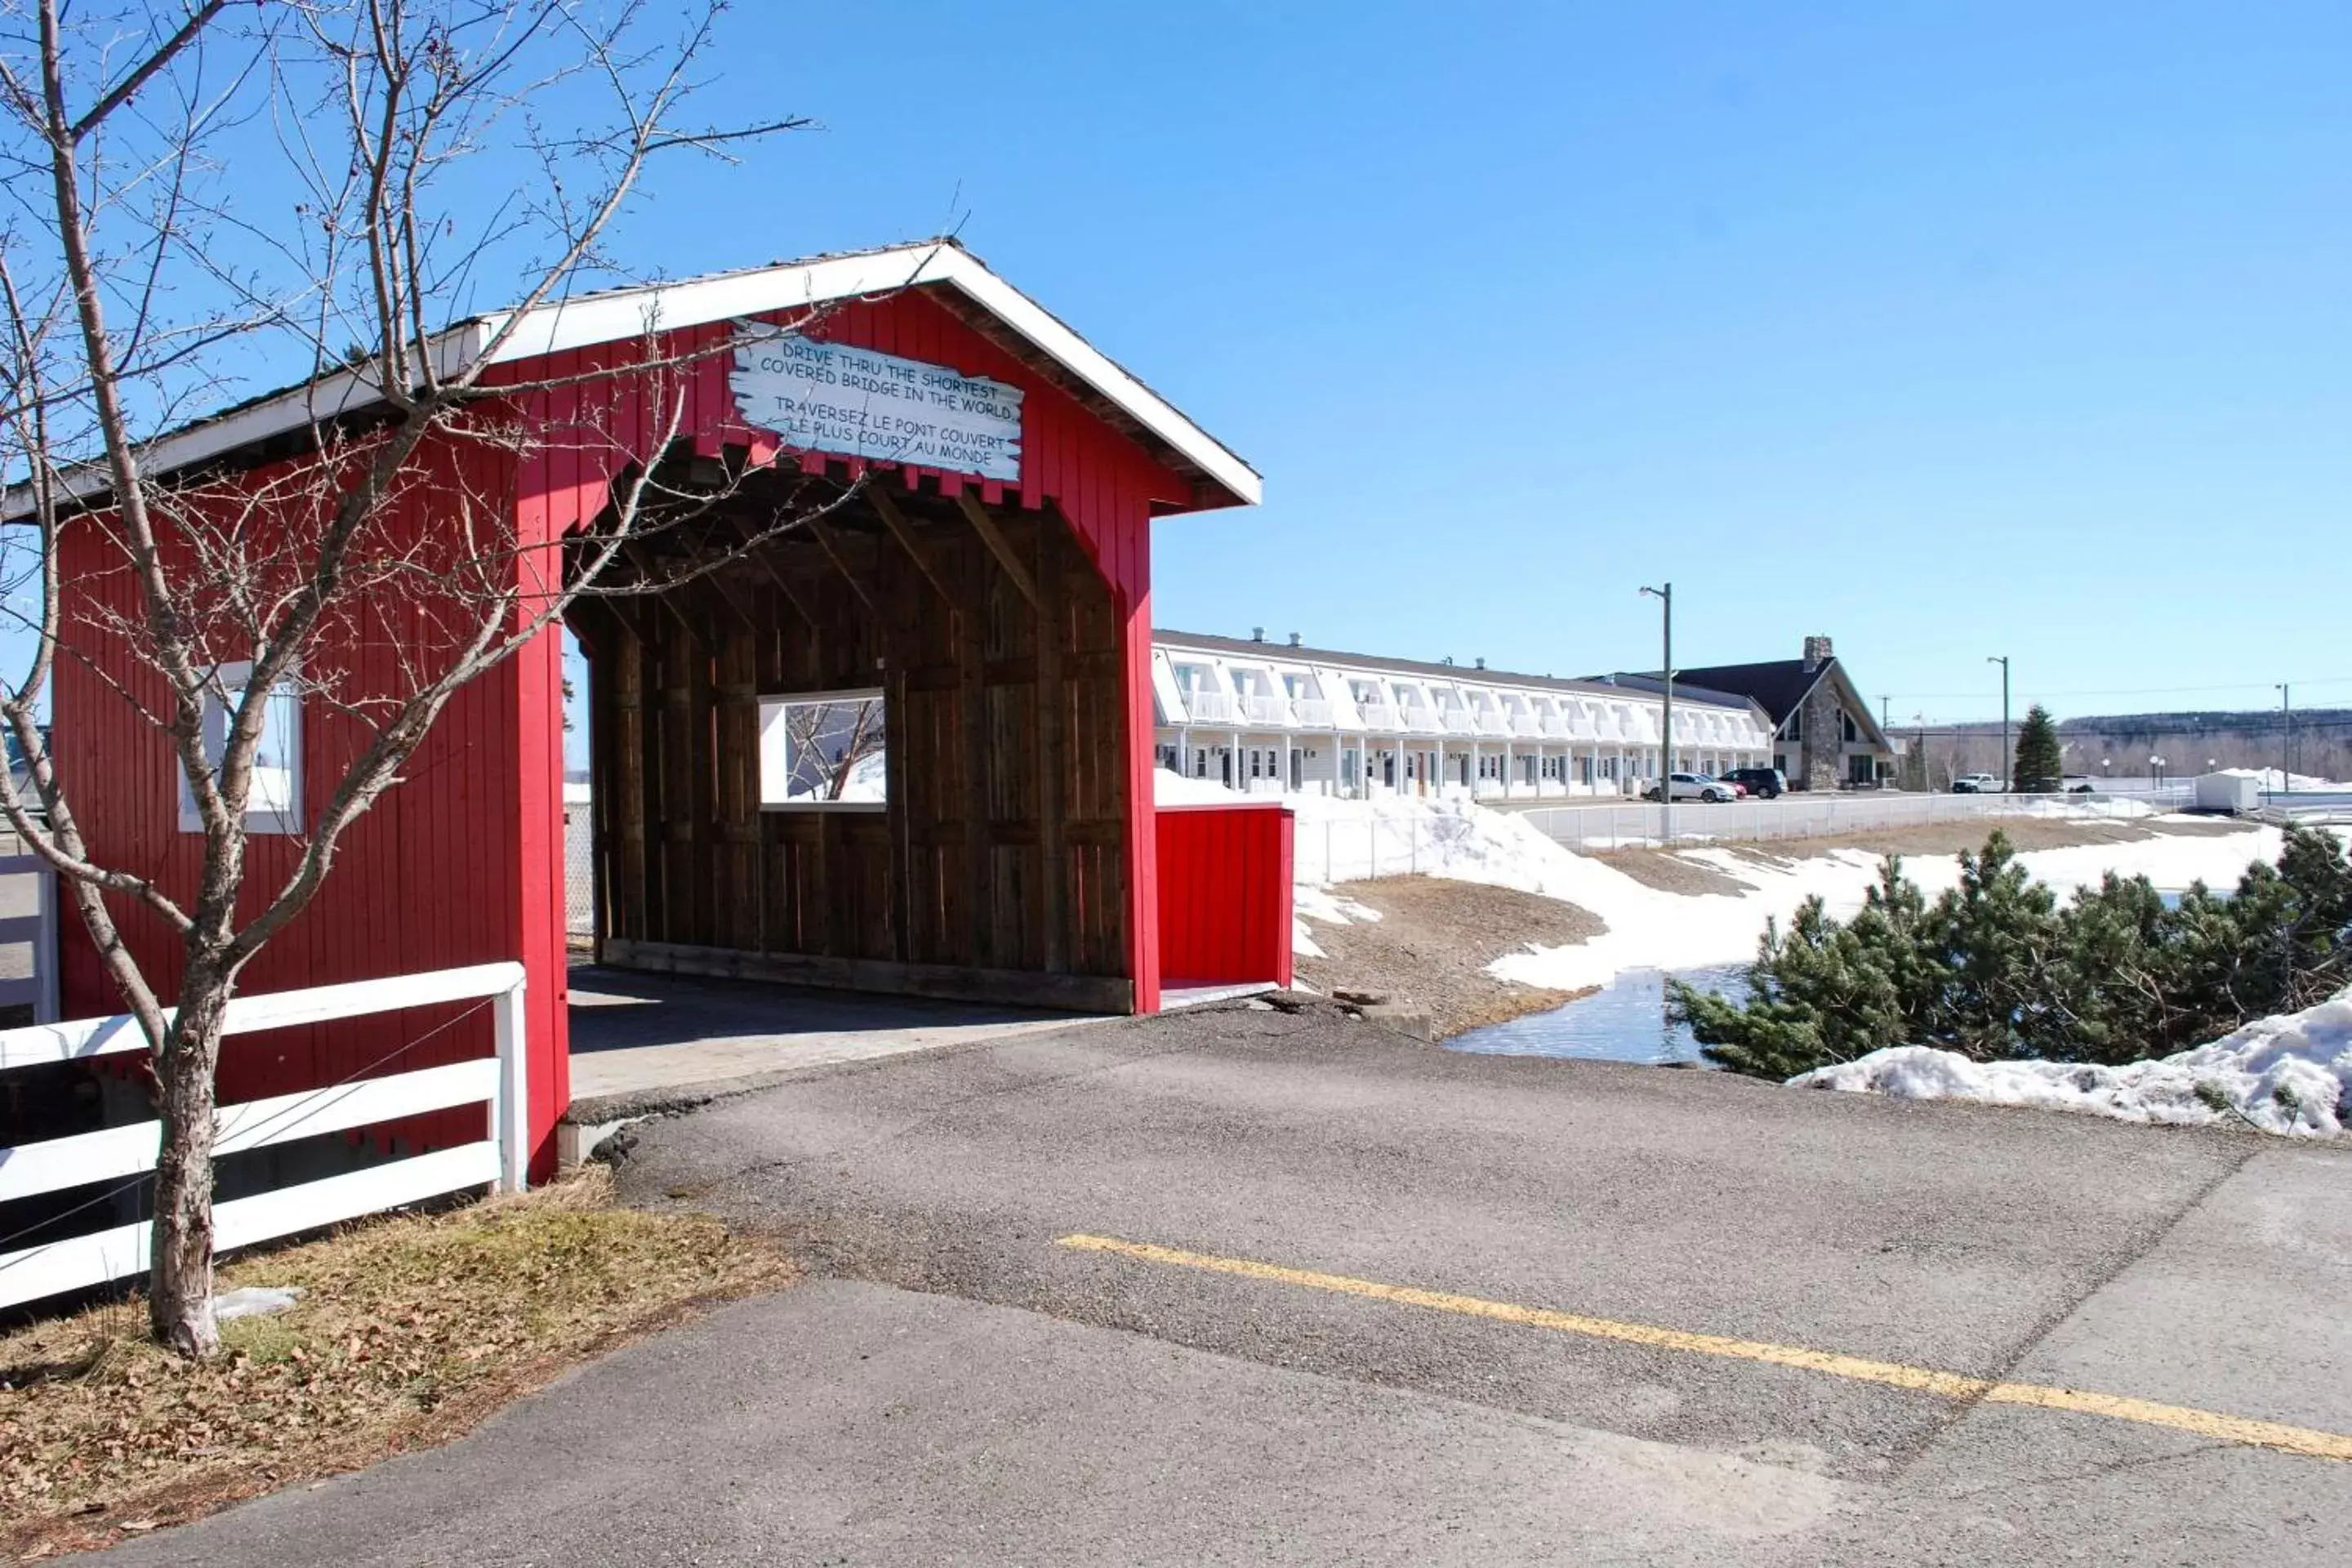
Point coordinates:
[(579, 870)]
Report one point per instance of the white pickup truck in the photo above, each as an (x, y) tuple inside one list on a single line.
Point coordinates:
[(1975, 783)]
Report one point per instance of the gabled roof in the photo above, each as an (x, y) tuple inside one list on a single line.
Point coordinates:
[(1779, 684), (940, 267), (1685, 688), (1288, 653)]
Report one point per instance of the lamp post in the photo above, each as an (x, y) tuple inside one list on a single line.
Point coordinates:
[(1666, 597), (2156, 764), (2007, 762), (2286, 738)]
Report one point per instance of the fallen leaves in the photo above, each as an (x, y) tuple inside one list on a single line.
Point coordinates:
[(410, 1332)]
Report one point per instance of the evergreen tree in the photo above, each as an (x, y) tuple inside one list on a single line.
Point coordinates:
[(2037, 765), (1994, 969)]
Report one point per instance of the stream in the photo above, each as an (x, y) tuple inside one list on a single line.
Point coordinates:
[(1625, 1021)]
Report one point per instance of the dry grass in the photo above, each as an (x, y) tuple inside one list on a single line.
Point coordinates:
[(1669, 872), (1433, 942), (411, 1330), (2023, 832)]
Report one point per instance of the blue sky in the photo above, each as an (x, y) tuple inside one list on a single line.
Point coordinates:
[(1949, 331)]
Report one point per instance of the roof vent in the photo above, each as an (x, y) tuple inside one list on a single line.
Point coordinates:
[(1257, 634), (1482, 664), (1447, 660), (1294, 639)]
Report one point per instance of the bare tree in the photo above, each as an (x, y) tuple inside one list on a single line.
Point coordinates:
[(193, 193), (827, 741)]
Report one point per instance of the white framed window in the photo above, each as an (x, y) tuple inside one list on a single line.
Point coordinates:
[(823, 750), (273, 800)]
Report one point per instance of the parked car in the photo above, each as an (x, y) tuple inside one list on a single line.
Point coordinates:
[(1696, 786), (1764, 783), (2077, 783), (1977, 783)]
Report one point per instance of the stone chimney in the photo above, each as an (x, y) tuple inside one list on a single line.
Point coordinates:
[(1817, 652)]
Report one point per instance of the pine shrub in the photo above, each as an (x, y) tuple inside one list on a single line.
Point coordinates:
[(1998, 969)]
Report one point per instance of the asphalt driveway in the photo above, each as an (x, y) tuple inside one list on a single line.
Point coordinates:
[(1247, 1286)]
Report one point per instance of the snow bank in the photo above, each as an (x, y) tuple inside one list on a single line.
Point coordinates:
[(2268, 778), (2288, 1075), (1342, 840), (1652, 929)]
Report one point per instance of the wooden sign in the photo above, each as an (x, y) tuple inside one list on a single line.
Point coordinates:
[(831, 397)]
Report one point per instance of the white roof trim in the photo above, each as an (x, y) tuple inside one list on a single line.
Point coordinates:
[(618, 314)]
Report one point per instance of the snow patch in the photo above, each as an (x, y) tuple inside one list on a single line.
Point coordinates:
[(254, 1301), (1339, 840), (2269, 779), (2290, 1075), (1652, 929)]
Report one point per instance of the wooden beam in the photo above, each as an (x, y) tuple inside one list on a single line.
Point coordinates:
[(972, 709), (903, 531), (636, 557), (1053, 754), (999, 547), (784, 586), (824, 536), (743, 610)]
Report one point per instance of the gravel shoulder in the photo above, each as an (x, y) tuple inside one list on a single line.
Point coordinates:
[(1434, 941)]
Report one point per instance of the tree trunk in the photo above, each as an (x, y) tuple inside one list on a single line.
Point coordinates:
[(180, 1276)]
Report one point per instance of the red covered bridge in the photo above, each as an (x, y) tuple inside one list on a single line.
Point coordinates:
[(906, 746)]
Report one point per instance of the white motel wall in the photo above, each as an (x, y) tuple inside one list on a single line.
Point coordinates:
[(1265, 716)]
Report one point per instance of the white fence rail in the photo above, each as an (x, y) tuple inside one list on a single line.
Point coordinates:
[(499, 1159), (37, 989)]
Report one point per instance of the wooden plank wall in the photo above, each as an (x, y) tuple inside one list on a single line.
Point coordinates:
[(1225, 894), (999, 869)]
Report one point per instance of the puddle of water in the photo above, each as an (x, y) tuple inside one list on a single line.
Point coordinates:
[(1625, 1021)]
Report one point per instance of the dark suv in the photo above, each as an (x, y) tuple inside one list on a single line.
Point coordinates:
[(1764, 783)]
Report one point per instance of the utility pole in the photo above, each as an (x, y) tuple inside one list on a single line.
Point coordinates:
[(2286, 738), (1666, 597), (2007, 762)]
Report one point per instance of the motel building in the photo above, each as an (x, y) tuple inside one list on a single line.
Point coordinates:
[(1262, 717)]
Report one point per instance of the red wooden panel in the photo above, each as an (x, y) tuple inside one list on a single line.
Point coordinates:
[(461, 863), (1224, 895)]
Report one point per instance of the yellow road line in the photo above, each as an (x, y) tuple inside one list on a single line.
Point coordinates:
[(2274, 1434)]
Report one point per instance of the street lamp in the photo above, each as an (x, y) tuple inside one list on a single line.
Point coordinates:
[(2286, 738), (1666, 597), (2157, 764), (2007, 762)]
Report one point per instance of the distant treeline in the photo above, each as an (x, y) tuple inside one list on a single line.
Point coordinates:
[(2317, 742)]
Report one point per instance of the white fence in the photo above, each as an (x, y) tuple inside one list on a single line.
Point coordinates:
[(37, 931), (1629, 823), (127, 1153)]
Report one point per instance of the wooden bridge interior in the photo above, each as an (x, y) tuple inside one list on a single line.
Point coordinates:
[(997, 871)]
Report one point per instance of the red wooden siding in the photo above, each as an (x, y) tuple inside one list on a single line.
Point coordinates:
[(462, 862), (431, 878), (1224, 893)]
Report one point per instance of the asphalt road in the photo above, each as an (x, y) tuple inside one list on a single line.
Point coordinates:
[(957, 1384)]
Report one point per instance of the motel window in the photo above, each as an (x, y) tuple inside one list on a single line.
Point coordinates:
[(822, 750), (273, 798)]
